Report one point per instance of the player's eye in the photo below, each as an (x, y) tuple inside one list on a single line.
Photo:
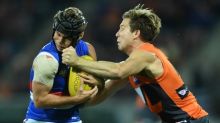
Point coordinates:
[(59, 34)]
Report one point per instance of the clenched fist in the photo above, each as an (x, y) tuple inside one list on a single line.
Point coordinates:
[(69, 56)]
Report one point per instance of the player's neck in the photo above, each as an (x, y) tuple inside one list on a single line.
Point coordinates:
[(134, 46)]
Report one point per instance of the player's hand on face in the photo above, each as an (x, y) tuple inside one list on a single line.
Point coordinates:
[(69, 56)]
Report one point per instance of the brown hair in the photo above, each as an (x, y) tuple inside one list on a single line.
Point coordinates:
[(145, 20)]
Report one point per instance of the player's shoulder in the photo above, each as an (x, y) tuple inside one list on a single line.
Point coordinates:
[(86, 42), (91, 50), (45, 58), (88, 47), (45, 62), (143, 54)]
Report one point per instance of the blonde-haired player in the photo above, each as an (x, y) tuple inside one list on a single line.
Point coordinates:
[(149, 71)]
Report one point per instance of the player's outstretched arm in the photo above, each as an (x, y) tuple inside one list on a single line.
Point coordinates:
[(110, 88), (136, 62)]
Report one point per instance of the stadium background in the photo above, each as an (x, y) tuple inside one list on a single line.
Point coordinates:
[(189, 36)]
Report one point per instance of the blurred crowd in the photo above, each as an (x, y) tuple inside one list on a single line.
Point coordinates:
[(189, 36)]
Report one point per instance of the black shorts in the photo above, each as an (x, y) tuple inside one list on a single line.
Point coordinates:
[(200, 120)]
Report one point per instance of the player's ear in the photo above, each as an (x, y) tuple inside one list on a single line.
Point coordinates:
[(136, 33), (81, 35)]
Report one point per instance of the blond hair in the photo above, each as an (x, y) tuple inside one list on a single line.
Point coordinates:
[(145, 20)]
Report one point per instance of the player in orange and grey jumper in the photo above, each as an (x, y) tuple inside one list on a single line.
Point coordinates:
[(147, 68)]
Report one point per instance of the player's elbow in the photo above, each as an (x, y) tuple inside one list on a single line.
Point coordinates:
[(121, 75), (114, 72), (118, 73), (39, 103)]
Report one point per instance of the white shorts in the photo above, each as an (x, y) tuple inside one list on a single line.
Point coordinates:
[(35, 121)]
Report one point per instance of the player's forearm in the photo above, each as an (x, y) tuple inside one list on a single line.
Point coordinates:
[(54, 101), (100, 68), (100, 97), (111, 87)]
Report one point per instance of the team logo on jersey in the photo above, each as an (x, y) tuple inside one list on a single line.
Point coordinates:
[(182, 91)]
